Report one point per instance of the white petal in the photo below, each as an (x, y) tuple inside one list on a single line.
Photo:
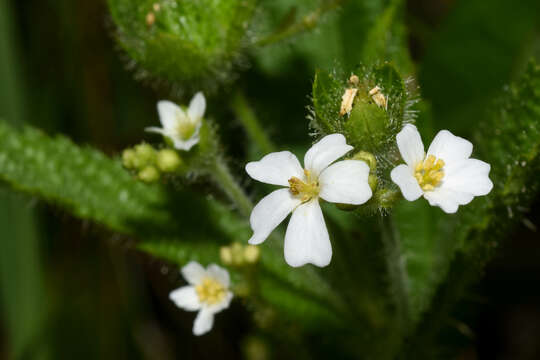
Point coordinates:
[(326, 151), (224, 304), (157, 130), (449, 147), (447, 199), (468, 176), (193, 272), (276, 168), (345, 182), (197, 106), (306, 239), (219, 273), (203, 322), (270, 212), (186, 298), (185, 145), (402, 176), (410, 145), (169, 113)]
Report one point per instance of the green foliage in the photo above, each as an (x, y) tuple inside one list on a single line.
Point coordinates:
[(445, 255), (96, 188), (476, 51), (183, 43), (386, 40)]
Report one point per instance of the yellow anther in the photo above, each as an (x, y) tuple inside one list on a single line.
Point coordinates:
[(429, 173), (305, 190), (210, 291), (378, 97)]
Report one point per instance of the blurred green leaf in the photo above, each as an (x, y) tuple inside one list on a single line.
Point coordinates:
[(386, 39), (479, 48)]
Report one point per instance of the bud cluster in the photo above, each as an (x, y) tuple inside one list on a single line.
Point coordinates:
[(149, 164), (238, 254)]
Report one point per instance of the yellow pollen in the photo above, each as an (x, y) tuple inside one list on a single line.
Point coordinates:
[(305, 190), (429, 173), (210, 291)]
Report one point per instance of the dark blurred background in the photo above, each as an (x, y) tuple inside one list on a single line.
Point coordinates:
[(73, 290)]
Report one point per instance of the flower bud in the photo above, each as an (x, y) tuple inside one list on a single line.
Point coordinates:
[(128, 158), (168, 160), (145, 155), (149, 174), (225, 255), (368, 158), (251, 254)]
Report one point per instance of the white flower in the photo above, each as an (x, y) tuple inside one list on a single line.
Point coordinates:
[(446, 176), (180, 126), (306, 239), (207, 292)]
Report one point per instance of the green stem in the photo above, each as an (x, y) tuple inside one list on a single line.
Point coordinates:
[(308, 22), (222, 175), (397, 272), (249, 120)]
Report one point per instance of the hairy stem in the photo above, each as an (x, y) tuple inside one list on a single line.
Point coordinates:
[(249, 120), (222, 175), (308, 22)]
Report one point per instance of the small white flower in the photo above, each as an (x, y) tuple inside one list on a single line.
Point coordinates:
[(207, 292), (306, 239), (446, 176), (178, 125)]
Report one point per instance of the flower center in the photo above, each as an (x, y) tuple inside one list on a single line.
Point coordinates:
[(429, 173), (210, 291), (185, 128), (305, 190)]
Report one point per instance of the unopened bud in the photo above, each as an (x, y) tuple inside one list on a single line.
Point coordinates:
[(373, 180), (225, 255), (367, 157), (128, 158), (251, 254), (168, 160), (149, 174), (144, 155)]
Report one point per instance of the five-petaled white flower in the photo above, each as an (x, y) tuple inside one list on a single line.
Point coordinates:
[(446, 176), (306, 239), (182, 127), (207, 292)]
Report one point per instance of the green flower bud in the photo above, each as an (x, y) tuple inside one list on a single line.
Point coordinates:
[(168, 160), (149, 174), (145, 155), (128, 158), (368, 158)]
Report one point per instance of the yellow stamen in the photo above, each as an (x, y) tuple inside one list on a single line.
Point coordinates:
[(305, 190), (210, 291), (429, 173)]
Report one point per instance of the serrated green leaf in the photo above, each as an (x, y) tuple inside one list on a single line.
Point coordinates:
[(510, 142)]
